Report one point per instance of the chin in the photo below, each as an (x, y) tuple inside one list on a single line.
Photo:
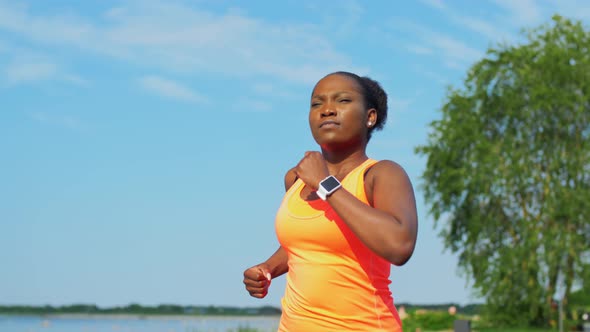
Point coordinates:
[(323, 141)]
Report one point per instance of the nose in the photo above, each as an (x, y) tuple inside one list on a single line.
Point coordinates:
[(329, 110)]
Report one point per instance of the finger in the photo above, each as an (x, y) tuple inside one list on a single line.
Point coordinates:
[(265, 273), (254, 274), (257, 290), (256, 283), (258, 295)]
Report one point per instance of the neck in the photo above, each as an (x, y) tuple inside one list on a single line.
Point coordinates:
[(341, 163)]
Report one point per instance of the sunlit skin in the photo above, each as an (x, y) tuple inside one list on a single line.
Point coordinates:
[(339, 122)]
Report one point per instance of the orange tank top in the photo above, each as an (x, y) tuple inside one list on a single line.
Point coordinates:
[(334, 283)]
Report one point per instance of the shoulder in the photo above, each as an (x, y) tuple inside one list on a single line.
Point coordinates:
[(385, 168), (386, 174), (290, 178), (387, 180)]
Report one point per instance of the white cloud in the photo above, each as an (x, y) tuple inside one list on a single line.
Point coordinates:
[(255, 106), (57, 120), (450, 49), (28, 68), (349, 11), (453, 48), (437, 4), (266, 89), (577, 9), (170, 89), (15, 17), (75, 79), (531, 13), (29, 71), (490, 30), (440, 79), (503, 26), (486, 27), (419, 49), (525, 12), (185, 40)]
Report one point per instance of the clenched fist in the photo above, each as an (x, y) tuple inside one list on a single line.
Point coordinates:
[(312, 169), (257, 280)]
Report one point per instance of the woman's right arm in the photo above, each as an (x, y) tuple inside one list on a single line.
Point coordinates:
[(277, 263), (258, 278)]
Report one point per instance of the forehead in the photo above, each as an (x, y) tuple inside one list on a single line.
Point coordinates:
[(337, 83)]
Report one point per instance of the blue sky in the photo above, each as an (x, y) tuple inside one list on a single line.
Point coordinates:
[(143, 143)]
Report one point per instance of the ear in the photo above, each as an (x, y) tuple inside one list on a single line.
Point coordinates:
[(371, 117)]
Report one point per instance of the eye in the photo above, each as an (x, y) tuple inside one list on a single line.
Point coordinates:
[(344, 100), (315, 104)]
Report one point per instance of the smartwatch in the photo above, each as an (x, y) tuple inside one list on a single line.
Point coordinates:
[(327, 187)]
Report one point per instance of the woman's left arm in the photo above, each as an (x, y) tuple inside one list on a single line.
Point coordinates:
[(389, 227)]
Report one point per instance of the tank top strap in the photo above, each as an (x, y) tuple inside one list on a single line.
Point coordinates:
[(357, 179), (295, 188), (367, 164)]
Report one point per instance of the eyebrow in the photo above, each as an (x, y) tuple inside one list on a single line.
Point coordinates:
[(335, 94)]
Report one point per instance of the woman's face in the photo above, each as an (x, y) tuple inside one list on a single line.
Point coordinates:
[(337, 115)]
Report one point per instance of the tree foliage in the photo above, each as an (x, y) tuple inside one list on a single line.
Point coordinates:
[(508, 172)]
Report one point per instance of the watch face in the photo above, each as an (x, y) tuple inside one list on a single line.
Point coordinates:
[(330, 183)]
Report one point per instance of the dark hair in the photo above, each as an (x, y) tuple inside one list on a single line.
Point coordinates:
[(374, 95)]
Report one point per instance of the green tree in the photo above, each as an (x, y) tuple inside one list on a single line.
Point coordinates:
[(508, 172)]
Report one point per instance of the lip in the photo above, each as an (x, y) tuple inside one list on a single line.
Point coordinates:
[(329, 124)]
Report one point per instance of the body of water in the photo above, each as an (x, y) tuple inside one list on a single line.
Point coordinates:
[(135, 324)]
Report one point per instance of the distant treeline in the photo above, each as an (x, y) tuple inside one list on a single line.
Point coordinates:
[(136, 309), (171, 309)]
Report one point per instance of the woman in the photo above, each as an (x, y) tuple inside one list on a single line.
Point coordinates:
[(344, 219)]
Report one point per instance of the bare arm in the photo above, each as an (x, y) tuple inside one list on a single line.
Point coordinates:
[(277, 263), (257, 279), (389, 227)]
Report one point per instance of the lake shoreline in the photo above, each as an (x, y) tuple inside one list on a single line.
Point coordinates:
[(141, 316)]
